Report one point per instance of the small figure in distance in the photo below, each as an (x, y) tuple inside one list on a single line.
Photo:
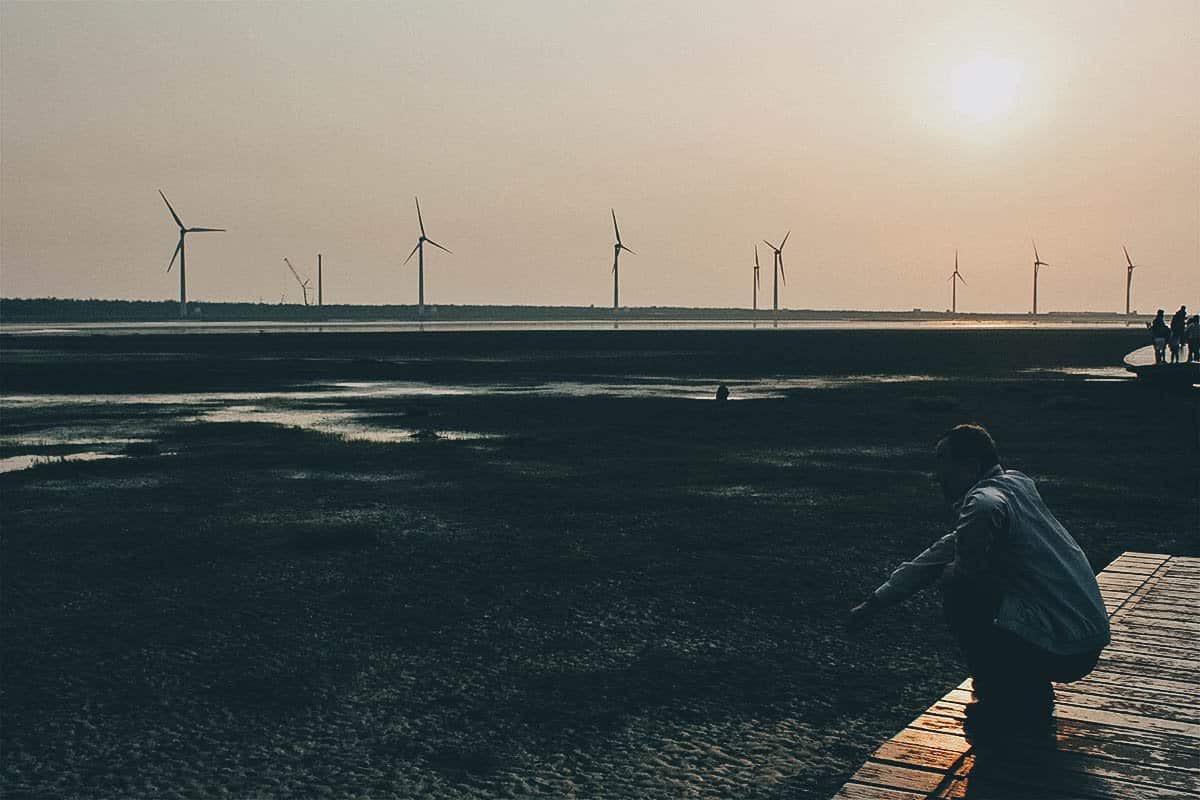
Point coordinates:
[(722, 393), (1159, 333), (1178, 326), (1018, 593), (1193, 337)]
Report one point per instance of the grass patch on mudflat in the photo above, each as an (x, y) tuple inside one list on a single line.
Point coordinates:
[(617, 597)]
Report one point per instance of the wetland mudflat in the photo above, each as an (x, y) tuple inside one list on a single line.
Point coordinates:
[(607, 592)]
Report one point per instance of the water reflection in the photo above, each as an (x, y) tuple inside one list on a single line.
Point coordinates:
[(15, 463), (345, 424)]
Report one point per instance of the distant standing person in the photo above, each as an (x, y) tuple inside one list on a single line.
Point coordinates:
[(1193, 337), (1159, 333), (1018, 593), (1178, 327)]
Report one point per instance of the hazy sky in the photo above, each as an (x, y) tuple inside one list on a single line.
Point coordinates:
[(884, 135)]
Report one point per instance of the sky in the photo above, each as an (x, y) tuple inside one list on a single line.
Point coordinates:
[(884, 136)]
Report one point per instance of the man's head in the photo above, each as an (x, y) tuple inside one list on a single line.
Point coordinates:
[(964, 454)]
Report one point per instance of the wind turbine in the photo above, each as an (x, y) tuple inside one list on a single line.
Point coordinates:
[(617, 248), (1037, 265), (756, 284), (778, 267), (954, 278), (419, 250), (181, 253), (303, 283), (1128, 277)]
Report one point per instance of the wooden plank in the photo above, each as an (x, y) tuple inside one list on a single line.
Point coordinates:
[(859, 791), (1017, 785), (891, 776), (1150, 659), (1126, 692), (1022, 774), (934, 741), (1106, 701), (942, 719), (1135, 721), (1138, 664), (1049, 760), (1151, 603), (1170, 593), (907, 755), (1174, 626), (1125, 638), (1142, 682)]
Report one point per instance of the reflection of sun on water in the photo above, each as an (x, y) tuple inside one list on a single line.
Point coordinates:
[(985, 87)]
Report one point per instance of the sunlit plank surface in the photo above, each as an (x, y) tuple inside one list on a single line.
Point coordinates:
[(1131, 729)]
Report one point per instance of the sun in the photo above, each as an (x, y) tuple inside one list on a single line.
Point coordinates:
[(985, 88)]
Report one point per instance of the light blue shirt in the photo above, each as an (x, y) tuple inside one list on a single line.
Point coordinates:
[(1005, 532)]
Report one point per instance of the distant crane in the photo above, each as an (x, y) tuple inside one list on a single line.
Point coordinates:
[(182, 254), (419, 251), (303, 282), (1128, 277), (617, 248), (1037, 265), (778, 266), (955, 277)]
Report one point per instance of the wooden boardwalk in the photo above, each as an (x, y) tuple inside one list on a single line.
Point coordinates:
[(1130, 730)]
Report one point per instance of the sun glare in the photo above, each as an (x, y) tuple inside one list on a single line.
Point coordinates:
[(985, 87)]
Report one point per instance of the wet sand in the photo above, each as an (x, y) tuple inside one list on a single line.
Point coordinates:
[(596, 592)]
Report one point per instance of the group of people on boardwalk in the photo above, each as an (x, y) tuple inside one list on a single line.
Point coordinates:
[(1183, 330)]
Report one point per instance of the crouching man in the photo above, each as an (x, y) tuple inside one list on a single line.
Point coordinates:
[(1018, 593)]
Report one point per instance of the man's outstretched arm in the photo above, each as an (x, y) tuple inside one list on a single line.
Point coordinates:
[(908, 578)]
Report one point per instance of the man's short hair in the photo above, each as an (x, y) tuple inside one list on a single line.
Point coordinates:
[(970, 441)]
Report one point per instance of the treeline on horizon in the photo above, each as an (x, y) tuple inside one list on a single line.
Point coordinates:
[(54, 309)]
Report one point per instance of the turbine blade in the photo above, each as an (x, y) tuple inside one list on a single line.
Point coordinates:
[(1036, 257), (616, 230), (782, 273), (420, 221), (768, 244), (438, 246), (627, 250), (756, 256), (206, 230), (413, 253), (178, 247), (1127, 258), (783, 244), (962, 280), (173, 214)]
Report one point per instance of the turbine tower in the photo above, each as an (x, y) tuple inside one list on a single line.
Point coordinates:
[(955, 277), (1037, 265), (778, 266), (419, 251), (617, 248), (303, 282), (756, 284), (320, 295), (182, 254), (1128, 277)]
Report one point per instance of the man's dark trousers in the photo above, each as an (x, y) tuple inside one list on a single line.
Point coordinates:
[(1013, 692)]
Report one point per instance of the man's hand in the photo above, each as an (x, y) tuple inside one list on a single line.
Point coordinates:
[(862, 614)]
